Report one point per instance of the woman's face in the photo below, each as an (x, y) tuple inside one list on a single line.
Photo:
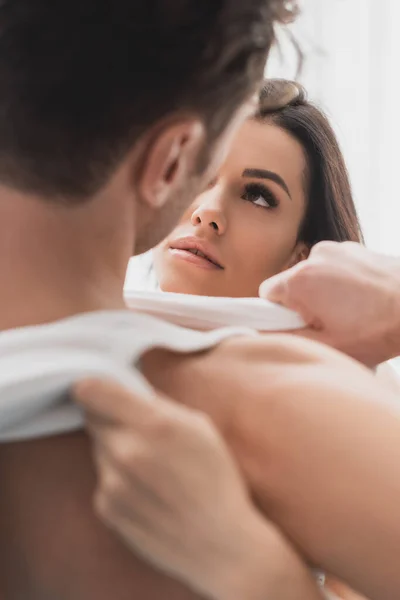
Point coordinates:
[(244, 227)]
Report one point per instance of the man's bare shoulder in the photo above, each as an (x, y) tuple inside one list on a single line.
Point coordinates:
[(265, 348), (253, 388), (238, 366)]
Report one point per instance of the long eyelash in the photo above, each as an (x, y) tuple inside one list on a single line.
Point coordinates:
[(253, 190)]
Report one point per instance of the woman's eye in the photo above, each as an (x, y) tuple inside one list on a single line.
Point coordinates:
[(259, 195)]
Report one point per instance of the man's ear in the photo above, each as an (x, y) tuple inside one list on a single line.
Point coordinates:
[(301, 252), (169, 159)]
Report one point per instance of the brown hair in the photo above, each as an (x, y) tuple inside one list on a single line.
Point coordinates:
[(331, 213), (81, 80)]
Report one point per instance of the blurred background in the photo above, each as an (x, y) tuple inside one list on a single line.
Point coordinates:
[(351, 54)]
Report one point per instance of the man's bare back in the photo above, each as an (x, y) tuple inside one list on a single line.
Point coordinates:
[(51, 544)]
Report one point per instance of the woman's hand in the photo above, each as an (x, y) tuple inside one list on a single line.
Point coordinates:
[(169, 487), (348, 296)]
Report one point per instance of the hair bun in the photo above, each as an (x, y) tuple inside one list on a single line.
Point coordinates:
[(276, 94)]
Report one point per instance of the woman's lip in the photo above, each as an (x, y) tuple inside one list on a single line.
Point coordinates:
[(194, 259), (195, 243)]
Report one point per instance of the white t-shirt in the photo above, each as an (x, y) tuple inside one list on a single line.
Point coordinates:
[(205, 312), (39, 364)]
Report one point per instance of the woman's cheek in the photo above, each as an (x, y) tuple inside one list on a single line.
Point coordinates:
[(271, 251)]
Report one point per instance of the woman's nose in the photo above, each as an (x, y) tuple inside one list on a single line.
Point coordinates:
[(207, 217)]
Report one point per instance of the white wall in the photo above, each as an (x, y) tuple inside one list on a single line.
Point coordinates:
[(352, 58)]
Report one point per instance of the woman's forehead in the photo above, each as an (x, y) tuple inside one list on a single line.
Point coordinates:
[(263, 145)]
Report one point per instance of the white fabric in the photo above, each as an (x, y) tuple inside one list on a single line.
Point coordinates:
[(140, 275), (204, 312), (39, 364)]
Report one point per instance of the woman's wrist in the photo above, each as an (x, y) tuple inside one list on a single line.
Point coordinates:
[(263, 565)]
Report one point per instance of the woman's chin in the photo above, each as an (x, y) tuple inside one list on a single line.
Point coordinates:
[(198, 282)]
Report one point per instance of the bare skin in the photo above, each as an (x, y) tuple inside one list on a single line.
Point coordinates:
[(49, 484), (257, 412), (53, 546), (51, 543), (349, 297), (79, 254)]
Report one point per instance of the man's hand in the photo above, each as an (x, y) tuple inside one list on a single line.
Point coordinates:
[(348, 296), (169, 487)]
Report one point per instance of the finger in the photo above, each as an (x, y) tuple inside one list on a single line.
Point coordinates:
[(107, 400), (278, 289), (135, 533), (121, 444), (130, 489), (295, 289), (274, 289), (132, 479)]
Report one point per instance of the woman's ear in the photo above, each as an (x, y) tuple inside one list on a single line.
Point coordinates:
[(301, 252), (170, 160)]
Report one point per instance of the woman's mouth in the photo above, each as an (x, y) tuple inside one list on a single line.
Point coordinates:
[(196, 252)]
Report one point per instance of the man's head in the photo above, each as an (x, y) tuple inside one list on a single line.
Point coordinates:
[(89, 85)]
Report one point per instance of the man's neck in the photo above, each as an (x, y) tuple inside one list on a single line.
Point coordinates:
[(57, 261)]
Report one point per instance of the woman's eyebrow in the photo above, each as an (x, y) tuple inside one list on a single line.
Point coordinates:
[(263, 174)]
